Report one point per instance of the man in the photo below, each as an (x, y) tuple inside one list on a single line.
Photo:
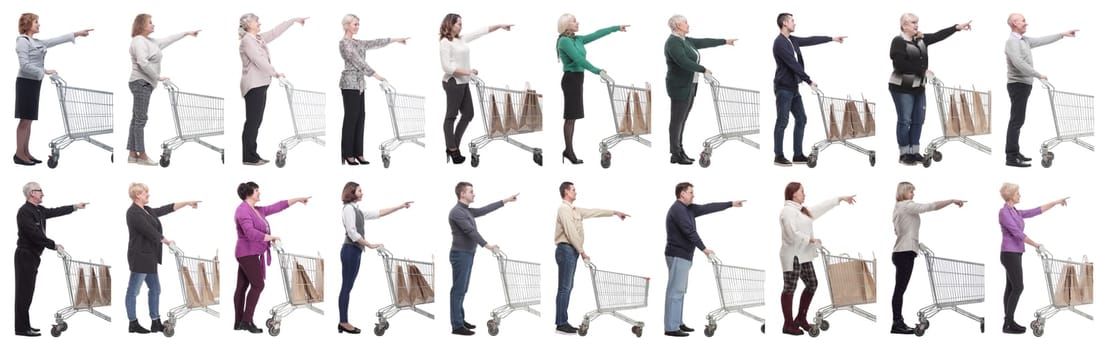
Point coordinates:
[(463, 227), (1020, 77), (682, 238), (569, 238), (789, 73), (31, 221)]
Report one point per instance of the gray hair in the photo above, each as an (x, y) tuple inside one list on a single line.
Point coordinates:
[(28, 187), (902, 190), (1008, 190), (563, 23), (674, 20), (906, 18), (349, 18), (242, 21)]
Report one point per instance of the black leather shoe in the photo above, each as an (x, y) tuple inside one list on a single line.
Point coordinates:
[(1013, 329), (684, 328), (676, 334), (677, 159), (572, 157), (362, 161), (567, 329), (469, 325), (20, 161), (28, 333), (462, 331), (1016, 163), (902, 328), (251, 327), (156, 326), (134, 327), (239, 326), (36, 329), (1021, 158), (351, 331), (781, 161)]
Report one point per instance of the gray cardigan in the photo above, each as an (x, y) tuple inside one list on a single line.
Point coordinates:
[(144, 246), (1020, 61)]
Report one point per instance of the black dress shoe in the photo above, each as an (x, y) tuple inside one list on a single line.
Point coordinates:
[(677, 159), (134, 327), (684, 328), (902, 328), (251, 327), (351, 331), (238, 326), (469, 325), (1021, 157), (1016, 163), (28, 333), (20, 161), (36, 161), (36, 329), (462, 331), (676, 334), (1012, 328)]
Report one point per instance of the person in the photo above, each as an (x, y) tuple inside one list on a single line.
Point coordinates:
[(797, 250), (569, 239), (466, 238), (905, 219), (907, 83), (144, 253), (28, 83), (31, 220), (352, 84), (257, 72), (353, 220), (1020, 79), (682, 57), (682, 239), (252, 251), (1013, 244), (453, 52), (789, 73), (574, 61), (145, 75)]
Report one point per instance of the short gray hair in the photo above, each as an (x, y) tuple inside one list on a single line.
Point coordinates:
[(242, 21), (905, 18), (674, 20), (1008, 190), (28, 187), (563, 23), (349, 18)]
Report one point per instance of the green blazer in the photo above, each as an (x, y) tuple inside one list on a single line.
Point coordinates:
[(681, 59)]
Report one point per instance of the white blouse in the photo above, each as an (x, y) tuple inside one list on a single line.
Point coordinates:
[(797, 230), (455, 54)]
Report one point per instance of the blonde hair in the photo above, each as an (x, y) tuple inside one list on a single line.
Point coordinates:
[(242, 21), (1008, 190), (140, 24), (563, 23), (902, 190), (906, 18), (349, 18), (136, 188)]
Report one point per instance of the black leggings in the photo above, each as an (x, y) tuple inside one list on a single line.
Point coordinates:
[(905, 264), (1012, 262)]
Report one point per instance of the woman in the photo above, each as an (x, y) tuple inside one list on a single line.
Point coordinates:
[(352, 84), (145, 75), (905, 217), (453, 50), (257, 72), (574, 61), (28, 83), (353, 219), (144, 253), (908, 80), (1014, 243), (682, 57), (250, 250), (798, 248)]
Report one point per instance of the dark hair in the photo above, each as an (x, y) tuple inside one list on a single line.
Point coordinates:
[(349, 192), (461, 188), (781, 18), (246, 189), (790, 192), (26, 20), (564, 188), (681, 187), (444, 30)]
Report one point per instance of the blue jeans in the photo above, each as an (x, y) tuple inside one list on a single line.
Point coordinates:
[(462, 265), (789, 101), (911, 110), (351, 263), (566, 257), (133, 285), (674, 292)]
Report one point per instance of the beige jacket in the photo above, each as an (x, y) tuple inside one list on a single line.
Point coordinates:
[(570, 223)]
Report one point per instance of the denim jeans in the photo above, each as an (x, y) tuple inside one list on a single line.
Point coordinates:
[(911, 112), (674, 292), (566, 257), (462, 265), (133, 285), (789, 101), (351, 263)]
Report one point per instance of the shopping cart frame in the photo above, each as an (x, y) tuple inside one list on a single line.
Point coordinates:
[(514, 303), (609, 142), (636, 326), (1062, 135), (61, 142), (316, 104), (476, 144), (731, 110), (65, 313), (1048, 311), (824, 102), (738, 306), (399, 138), (930, 310), (168, 146), (932, 153), (286, 308), (179, 312), (824, 312), (384, 313)]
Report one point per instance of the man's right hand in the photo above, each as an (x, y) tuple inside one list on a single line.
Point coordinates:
[(81, 205), (492, 247), (585, 256), (58, 247), (51, 72), (812, 84), (1043, 77)]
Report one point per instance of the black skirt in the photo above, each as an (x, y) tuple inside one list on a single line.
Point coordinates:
[(572, 85), (26, 98)]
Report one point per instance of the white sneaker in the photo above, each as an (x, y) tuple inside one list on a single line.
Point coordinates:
[(141, 161), (132, 160)]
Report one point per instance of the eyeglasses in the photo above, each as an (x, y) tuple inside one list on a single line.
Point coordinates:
[(36, 190)]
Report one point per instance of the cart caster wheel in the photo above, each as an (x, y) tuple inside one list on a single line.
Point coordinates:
[(705, 159), (709, 331), (275, 331), (55, 331), (919, 330), (872, 158), (1047, 159), (937, 156), (582, 330), (762, 329), (537, 159), (493, 328), (164, 162), (52, 162), (474, 160), (824, 325), (63, 326), (926, 162), (605, 159), (981, 325), (812, 161), (813, 332), (378, 330), (924, 324), (1037, 327), (222, 159), (169, 331), (281, 161), (269, 323), (637, 330), (113, 158)]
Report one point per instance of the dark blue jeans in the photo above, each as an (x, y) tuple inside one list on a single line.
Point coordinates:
[(911, 110), (789, 101), (351, 263), (566, 257), (462, 265)]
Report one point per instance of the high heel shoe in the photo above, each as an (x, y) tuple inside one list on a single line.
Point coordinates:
[(362, 161), (571, 157), (351, 331), (455, 156), (349, 161)]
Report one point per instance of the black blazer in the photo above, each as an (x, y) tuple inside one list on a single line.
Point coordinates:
[(144, 246)]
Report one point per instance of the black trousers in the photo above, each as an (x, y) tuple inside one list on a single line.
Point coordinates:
[(255, 110), (26, 273), (353, 123), (678, 116), (905, 264), (458, 99), (1020, 94), (1012, 263)]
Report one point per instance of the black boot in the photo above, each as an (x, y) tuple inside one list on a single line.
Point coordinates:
[(155, 326), (1010, 327), (134, 327), (899, 327)]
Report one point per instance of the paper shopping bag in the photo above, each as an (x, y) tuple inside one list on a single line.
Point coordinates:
[(625, 125), (847, 281), (414, 289), (80, 297), (403, 294), (511, 124), (420, 280), (207, 295), (953, 124), (870, 120), (318, 283), (495, 124), (300, 294), (192, 298), (1086, 283), (982, 120), (93, 288), (850, 124), (215, 278), (835, 132), (967, 128), (869, 290), (1062, 293), (105, 285), (531, 115), (641, 118)]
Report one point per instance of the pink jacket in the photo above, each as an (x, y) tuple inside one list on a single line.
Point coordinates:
[(256, 68), (252, 229)]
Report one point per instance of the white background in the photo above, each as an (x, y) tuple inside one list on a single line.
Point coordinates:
[(640, 181)]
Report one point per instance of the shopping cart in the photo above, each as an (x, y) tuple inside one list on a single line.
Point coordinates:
[(517, 107), (86, 113), (521, 281), (844, 113), (632, 121), (89, 287), (851, 282), (1073, 118), (195, 116), (309, 113), (738, 113), (408, 115), (952, 283), (616, 292), (199, 287), (975, 108), (1055, 278), (303, 286), (401, 274), (740, 288)]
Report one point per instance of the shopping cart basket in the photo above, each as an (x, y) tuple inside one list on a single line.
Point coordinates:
[(303, 286), (740, 288), (89, 287), (85, 113), (195, 116), (851, 282), (408, 115), (963, 113), (1063, 296), (952, 283), (616, 292), (521, 281), (199, 286), (309, 113), (842, 122), (738, 113), (1073, 119), (632, 118), (410, 283), (507, 112)]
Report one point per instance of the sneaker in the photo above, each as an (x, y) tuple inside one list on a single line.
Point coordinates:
[(566, 329), (800, 159), (918, 157), (142, 161), (781, 161), (462, 331)]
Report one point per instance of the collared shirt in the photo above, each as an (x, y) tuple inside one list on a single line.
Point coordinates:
[(353, 219), (569, 227), (905, 218)]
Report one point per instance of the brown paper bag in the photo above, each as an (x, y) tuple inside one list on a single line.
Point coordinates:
[(953, 125), (625, 125), (528, 112), (870, 120), (93, 289), (300, 293), (105, 285), (981, 120), (1085, 283), (967, 128), (869, 288), (851, 283), (319, 279), (215, 279), (495, 125), (851, 124), (1063, 292), (511, 124), (192, 298), (835, 133), (420, 281), (414, 289), (207, 295), (80, 297), (403, 294), (641, 124)]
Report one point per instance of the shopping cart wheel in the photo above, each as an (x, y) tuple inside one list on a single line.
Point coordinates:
[(981, 325), (582, 330), (709, 330), (637, 330), (378, 330), (55, 331), (824, 325), (705, 159), (1037, 327), (275, 331), (493, 328), (169, 331), (923, 323), (164, 162), (270, 322), (872, 158), (52, 162), (537, 158), (813, 332), (926, 161), (919, 330), (812, 161), (386, 160), (474, 159), (63, 326), (605, 159), (1047, 159), (937, 156), (222, 159), (762, 328), (281, 160)]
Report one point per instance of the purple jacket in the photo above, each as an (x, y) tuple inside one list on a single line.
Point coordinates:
[(1011, 224), (252, 229)]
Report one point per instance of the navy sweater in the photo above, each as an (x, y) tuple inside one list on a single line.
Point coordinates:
[(680, 227), (789, 67)]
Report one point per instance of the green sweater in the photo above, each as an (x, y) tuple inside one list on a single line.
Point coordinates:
[(682, 60), (572, 53)]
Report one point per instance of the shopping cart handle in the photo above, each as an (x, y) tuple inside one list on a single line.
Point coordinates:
[(169, 85), (277, 245), (175, 249), (816, 90), (607, 78), (710, 78), (499, 254), (284, 82), (474, 78), (63, 254), (934, 80), (822, 250), (384, 252), (591, 266), (57, 79), (387, 87), (926, 250), (1047, 84), (1043, 252), (714, 259)]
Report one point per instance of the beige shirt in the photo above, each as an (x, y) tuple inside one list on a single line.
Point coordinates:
[(257, 71), (146, 56), (906, 220), (570, 223), (797, 230)]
